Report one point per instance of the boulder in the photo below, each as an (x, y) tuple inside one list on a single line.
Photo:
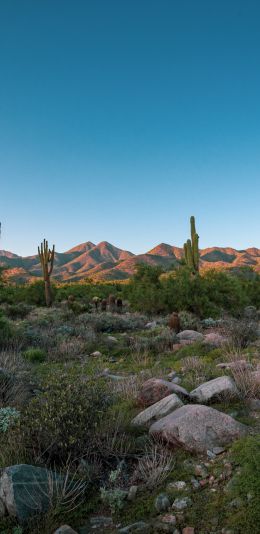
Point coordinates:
[(158, 410), (190, 335), (197, 428), (155, 389), (24, 490), (221, 386), (215, 339)]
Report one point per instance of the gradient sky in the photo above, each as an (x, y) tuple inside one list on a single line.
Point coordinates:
[(121, 118)]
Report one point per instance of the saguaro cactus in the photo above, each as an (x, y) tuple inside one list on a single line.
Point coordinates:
[(191, 248), (46, 256)]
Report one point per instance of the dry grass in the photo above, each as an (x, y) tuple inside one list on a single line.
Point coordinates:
[(154, 466), (246, 381)]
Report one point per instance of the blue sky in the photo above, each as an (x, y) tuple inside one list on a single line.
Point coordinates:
[(121, 118)]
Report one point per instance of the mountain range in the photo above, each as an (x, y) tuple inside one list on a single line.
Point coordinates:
[(106, 262)]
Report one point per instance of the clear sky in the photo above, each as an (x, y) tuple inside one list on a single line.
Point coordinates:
[(121, 118)]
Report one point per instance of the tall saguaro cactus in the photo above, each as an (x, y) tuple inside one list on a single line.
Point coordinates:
[(46, 256), (191, 248)]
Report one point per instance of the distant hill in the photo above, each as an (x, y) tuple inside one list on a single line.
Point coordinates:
[(107, 262)]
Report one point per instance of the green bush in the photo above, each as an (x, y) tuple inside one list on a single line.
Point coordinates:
[(206, 295), (59, 423), (34, 355)]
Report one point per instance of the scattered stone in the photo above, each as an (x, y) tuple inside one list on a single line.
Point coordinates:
[(158, 410), (176, 380), (101, 521), (155, 389), (211, 455), (112, 339), (223, 385), (140, 526), (181, 504), (165, 523), (96, 354), (190, 335), (169, 519), (200, 470), (171, 375), (65, 529), (198, 428), (218, 450), (179, 485), (132, 493), (151, 325), (162, 503), (195, 483)]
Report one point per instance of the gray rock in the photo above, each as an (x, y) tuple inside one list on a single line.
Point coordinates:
[(151, 325), (190, 335), (195, 483), (181, 504), (24, 490), (140, 526), (101, 521), (65, 529), (96, 353), (132, 492), (198, 428), (221, 386), (158, 410), (218, 450), (162, 503)]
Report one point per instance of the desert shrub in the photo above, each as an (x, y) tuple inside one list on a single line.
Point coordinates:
[(112, 495), (8, 416), (188, 321), (60, 421), (246, 381), (17, 311), (34, 355), (109, 322), (245, 485), (240, 333)]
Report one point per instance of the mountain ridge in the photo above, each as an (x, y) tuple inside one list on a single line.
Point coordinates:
[(105, 261)]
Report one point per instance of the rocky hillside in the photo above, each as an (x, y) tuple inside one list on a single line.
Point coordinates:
[(107, 262)]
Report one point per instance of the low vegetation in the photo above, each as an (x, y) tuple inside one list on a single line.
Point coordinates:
[(70, 382)]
